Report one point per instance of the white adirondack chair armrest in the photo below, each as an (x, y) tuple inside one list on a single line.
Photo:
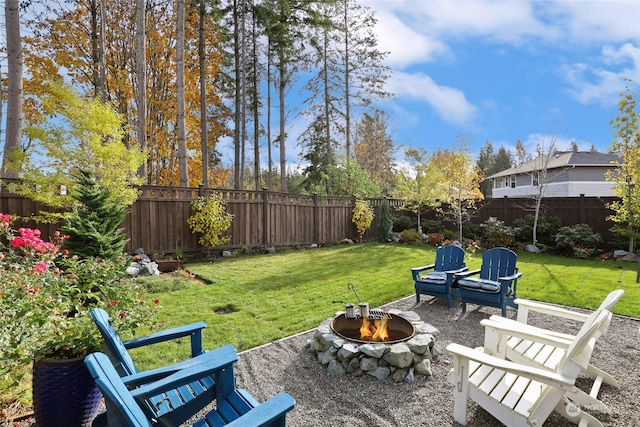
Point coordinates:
[(514, 324), (527, 332), (547, 377), (551, 310), (426, 267)]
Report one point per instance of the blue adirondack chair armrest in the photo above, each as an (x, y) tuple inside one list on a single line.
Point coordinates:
[(457, 271), (415, 271), (193, 329), (208, 364), (464, 274), (156, 374), (509, 278), (265, 412)]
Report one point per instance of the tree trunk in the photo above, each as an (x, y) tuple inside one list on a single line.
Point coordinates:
[(180, 124), (15, 95), (282, 137), (141, 61), (238, 99), (203, 98)]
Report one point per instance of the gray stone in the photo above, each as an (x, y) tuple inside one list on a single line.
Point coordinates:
[(368, 364), (381, 373), (348, 351), (620, 253), (133, 271), (426, 328), (410, 378), (335, 368), (411, 316), (373, 350), (630, 257), (399, 355), (532, 248), (421, 343), (400, 374), (423, 367), (323, 342), (271, 250), (354, 365), (226, 254)]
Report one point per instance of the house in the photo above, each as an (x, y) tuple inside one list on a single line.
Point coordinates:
[(569, 174)]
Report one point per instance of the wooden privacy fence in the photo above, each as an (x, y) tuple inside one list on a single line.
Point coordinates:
[(157, 221)]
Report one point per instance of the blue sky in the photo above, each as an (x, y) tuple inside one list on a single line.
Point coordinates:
[(500, 71)]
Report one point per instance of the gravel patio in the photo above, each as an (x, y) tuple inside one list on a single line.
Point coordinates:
[(322, 400)]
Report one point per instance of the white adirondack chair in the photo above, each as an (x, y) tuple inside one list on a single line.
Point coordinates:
[(521, 394), (522, 343)]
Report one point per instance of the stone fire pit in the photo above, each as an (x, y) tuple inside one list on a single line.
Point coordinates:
[(400, 359)]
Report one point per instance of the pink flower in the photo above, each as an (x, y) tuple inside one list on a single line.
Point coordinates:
[(40, 267), (17, 242)]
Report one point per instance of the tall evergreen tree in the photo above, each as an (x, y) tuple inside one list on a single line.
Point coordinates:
[(94, 224)]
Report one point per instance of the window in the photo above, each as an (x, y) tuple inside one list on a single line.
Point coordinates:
[(513, 181), (535, 179)]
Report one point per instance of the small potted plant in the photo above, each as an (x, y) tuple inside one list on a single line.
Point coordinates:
[(46, 296)]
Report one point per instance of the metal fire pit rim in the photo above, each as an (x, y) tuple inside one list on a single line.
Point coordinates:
[(360, 341)]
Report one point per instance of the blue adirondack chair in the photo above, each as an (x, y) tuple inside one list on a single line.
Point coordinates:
[(233, 407), (439, 282), (175, 406), (496, 284)]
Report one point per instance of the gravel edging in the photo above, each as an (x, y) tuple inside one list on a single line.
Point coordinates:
[(288, 365)]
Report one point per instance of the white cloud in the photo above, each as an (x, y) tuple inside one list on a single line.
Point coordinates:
[(595, 83), (449, 103), (404, 44)]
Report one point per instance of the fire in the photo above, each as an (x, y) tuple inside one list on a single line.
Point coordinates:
[(377, 331)]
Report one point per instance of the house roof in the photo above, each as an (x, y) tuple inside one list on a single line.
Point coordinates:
[(562, 159)]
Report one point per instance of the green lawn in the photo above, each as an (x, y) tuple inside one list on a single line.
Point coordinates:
[(251, 300)]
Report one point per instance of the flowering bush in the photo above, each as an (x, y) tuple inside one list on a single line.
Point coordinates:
[(46, 296)]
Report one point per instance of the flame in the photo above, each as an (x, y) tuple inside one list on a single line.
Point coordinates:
[(377, 331)]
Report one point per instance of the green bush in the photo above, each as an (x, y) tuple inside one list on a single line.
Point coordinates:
[(496, 234), (472, 231), (545, 232), (450, 235), (211, 220), (431, 226), (404, 222), (386, 222), (410, 236), (578, 240)]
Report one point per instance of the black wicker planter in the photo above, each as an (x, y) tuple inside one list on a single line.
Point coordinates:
[(64, 393)]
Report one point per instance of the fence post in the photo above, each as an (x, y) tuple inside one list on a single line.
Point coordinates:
[(316, 219), (582, 210), (265, 219), (504, 210)]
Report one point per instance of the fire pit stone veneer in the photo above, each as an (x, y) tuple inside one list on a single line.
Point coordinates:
[(400, 360)]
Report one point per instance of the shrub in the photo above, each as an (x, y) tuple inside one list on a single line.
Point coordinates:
[(404, 222), (93, 226), (431, 226), (211, 220), (410, 236), (578, 240), (473, 231), (46, 297), (450, 235), (386, 222), (545, 232), (496, 234), (362, 217)]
